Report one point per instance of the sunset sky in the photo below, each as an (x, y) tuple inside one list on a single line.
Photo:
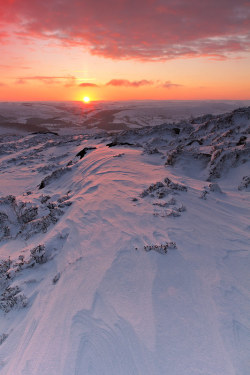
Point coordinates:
[(124, 49)]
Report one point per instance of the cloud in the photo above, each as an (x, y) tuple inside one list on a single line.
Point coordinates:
[(145, 29), (70, 81), (6, 67), (2, 84), (3, 66), (87, 84), (127, 83), (48, 80), (169, 85), (3, 35), (143, 82), (20, 81)]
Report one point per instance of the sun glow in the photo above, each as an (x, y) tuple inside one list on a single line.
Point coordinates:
[(86, 99)]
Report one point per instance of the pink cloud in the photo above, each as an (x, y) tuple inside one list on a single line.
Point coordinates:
[(144, 29), (88, 84), (127, 83), (3, 35), (49, 80)]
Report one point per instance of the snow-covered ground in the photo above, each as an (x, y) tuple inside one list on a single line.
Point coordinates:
[(126, 252)]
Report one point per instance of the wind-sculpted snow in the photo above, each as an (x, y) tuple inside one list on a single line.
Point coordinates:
[(126, 252), (53, 176)]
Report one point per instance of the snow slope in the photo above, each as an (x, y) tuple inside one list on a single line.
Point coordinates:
[(91, 280)]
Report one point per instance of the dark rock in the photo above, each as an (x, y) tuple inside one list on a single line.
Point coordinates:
[(84, 151), (116, 143), (176, 130), (242, 141)]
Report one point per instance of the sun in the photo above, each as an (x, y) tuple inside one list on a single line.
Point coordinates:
[(86, 99)]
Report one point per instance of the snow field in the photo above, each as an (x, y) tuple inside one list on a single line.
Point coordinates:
[(101, 304)]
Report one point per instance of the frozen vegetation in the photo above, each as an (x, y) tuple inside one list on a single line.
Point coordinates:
[(124, 252)]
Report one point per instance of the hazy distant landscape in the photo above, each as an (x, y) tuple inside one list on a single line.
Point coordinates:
[(68, 117)]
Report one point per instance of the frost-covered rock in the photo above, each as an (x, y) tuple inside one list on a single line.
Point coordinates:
[(158, 189), (162, 248), (25, 219), (168, 211), (172, 156), (226, 158), (151, 151), (3, 337), (170, 202), (214, 187), (174, 186), (12, 298), (204, 194), (14, 216), (245, 183), (39, 254), (28, 214), (4, 227), (44, 198), (56, 278), (5, 266)]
